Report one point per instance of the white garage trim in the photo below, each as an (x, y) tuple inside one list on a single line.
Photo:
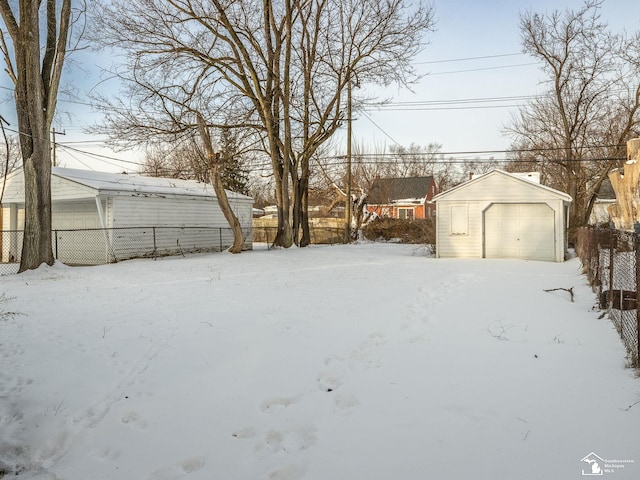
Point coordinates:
[(519, 230)]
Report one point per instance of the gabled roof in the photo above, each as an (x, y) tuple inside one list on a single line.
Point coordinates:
[(388, 190), (134, 183), (606, 191), (514, 178)]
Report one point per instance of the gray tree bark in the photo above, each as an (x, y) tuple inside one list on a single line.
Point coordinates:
[(36, 79)]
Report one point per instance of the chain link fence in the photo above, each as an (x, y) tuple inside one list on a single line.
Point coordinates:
[(99, 246), (318, 235), (610, 260)]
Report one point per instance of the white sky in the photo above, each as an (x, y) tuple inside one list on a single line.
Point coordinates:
[(466, 30)]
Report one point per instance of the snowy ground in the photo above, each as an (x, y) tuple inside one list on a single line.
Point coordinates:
[(347, 362)]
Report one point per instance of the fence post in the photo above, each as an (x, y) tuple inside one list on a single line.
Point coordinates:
[(636, 244), (55, 234), (612, 246), (155, 244)]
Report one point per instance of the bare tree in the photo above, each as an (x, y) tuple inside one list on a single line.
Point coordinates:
[(218, 186), (278, 67), (579, 127), (36, 74), (188, 161), (182, 161)]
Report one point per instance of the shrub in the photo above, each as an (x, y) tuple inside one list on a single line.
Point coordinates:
[(405, 231)]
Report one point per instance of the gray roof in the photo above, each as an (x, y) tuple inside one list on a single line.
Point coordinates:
[(606, 191), (387, 190)]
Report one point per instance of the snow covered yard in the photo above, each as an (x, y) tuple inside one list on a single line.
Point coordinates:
[(347, 362)]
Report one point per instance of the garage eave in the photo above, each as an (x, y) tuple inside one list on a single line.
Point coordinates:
[(452, 192)]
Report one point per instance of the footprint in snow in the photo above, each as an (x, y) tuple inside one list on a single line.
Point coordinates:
[(133, 419), (289, 472), (175, 472), (344, 402), (329, 381), (272, 404), (294, 439)]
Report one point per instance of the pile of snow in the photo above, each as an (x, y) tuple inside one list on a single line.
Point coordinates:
[(364, 361)]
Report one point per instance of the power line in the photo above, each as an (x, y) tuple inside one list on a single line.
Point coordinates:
[(100, 156), (465, 59), (435, 159), (80, 161), (487, 152), (429, 109), (380, 128), (515, 65), (456, 101)]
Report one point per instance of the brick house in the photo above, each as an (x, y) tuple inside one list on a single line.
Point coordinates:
[(403, 198)]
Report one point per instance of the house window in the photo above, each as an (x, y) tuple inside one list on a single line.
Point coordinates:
[(385, 212), (459, 220), (405, 213)]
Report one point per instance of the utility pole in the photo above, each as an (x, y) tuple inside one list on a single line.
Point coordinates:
[(53, 145), (347, 202)]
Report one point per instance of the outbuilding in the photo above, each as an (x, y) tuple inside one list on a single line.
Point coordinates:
[(101, 217), (502, 215)]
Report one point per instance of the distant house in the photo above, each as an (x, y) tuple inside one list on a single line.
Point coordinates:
[(606, 198), (403, 198), (102, 217), (502, 215)]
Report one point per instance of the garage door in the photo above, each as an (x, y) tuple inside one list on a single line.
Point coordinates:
[(521, 230), (75, 241), (75, 215)]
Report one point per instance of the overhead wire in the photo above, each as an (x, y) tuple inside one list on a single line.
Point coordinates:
[(497, 67), (427, 105), (464, 59)]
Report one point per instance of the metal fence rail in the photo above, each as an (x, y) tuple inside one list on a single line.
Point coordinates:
[(610, 259), (318, 235), (99, 246)]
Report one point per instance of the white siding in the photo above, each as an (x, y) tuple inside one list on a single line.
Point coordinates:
[(61, 189), (144, 210), (160, 211), (497, 187), (451, 244), (74, 207)]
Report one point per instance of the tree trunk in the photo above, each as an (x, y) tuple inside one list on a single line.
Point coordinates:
[(218, 187), (34, 142), (36, 244), (36, 78), (305, 240), (357, 215), (284, 233)]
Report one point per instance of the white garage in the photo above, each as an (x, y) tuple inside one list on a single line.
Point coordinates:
[(502, 215), (101, 217)]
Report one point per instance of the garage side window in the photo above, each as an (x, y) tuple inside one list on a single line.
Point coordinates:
[(459, 220)]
